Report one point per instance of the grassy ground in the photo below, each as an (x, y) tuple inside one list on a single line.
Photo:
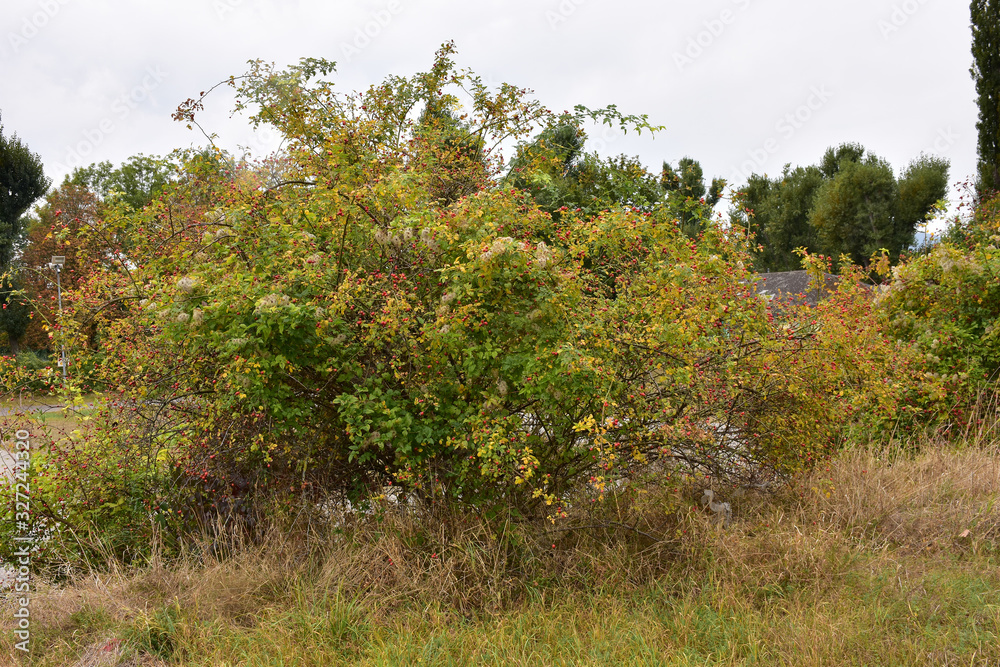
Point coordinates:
[(64, 422), (877, 560), (28, 401), (38, 410)]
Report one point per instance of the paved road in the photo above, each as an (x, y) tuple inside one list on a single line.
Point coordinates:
[(7, 466), (11, 411)]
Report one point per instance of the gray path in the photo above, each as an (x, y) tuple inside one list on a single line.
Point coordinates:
[(7, 466), (34, 409)]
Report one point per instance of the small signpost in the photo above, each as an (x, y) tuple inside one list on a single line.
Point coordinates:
[(59, 261)]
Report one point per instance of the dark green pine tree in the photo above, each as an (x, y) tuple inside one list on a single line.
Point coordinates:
[(554, 168), (986, 73), (15, 312), (777, 213), (22, 181), (686, 192), (549, 166)]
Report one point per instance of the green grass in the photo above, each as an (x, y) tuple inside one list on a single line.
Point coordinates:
[(58, 423), (64, 422), (949, 612), (28, 401)]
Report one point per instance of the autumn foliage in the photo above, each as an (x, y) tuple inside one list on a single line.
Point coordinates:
[(378, 311)]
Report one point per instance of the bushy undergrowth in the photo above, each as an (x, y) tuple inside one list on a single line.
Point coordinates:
[(27, 372), (946, 303)]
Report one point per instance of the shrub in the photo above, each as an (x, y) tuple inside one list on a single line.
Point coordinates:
[(29, 371), (947, 304), (374, 309)]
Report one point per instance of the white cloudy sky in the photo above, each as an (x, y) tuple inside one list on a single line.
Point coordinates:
[(741, 85)]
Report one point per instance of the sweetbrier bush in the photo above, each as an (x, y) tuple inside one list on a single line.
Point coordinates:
[(378, 307)]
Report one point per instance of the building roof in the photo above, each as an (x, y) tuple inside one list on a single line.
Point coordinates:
[(792, 287)]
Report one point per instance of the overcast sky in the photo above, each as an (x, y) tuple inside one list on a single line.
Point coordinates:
[(741, 85)]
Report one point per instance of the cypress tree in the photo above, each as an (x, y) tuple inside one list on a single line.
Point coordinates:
[(986, 73)]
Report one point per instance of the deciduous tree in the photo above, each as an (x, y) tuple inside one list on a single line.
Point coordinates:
[(135, 182), (59, 227), (850, 204)]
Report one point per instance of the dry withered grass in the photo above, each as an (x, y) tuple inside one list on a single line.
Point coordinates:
[(881, 557)]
